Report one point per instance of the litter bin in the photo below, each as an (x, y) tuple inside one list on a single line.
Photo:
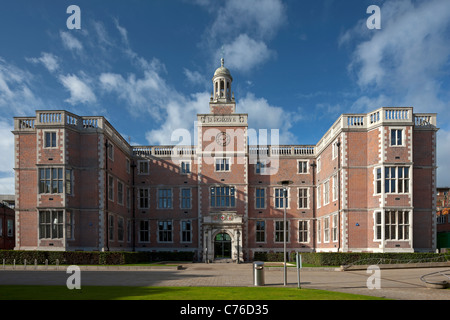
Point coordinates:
[(258, 273)]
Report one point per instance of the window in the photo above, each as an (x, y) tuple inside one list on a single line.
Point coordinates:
[(119, 192), (335, 228), (279, 231), (378, 226), (144, 231), (396, 179), (223, 197), (164, 198), (111, 188), (303, 231), (9, 228), (319, 164), (128, 166), (222, 164), (335, 187), (128, 197), (165, 231), (403, 180), (260, 194), (326, 192), (396, 137), (143, 167), (260, 167), (185, 167), (280, 201), (69, 225), (120, 229), (396, 225), (111, 228), (334, 150), (68, 181), (186, 198), (260, 231), (51, 180), (110, 151), (326, 229), (378, 180), (319, 230), (186, 231), (302, 166), (51, 224), (302, 198), (319, 197), (50, 139), (144, 198)]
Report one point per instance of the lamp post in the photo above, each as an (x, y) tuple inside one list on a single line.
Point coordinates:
[(238, 236), (285, 184)]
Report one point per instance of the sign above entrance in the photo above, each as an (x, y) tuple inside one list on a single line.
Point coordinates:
[(222, 218), (229, 119)]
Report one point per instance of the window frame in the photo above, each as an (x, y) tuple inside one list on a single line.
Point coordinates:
[(53, 143), (232, 196), (165, 197), (225, 166), (395, 138)]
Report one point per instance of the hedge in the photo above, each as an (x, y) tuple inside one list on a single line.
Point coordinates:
[(91, 257), (338, 259)]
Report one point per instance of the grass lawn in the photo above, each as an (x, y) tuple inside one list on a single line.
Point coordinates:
[(170, 293)]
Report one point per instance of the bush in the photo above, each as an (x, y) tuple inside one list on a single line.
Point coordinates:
[(338, 259), (92, 258)]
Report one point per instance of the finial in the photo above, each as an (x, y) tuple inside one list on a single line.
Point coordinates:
[(222, 61)]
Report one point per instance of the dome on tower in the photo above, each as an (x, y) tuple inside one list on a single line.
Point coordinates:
[(222, 71)]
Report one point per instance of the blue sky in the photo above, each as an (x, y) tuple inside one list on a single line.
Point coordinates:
[(297, 65)]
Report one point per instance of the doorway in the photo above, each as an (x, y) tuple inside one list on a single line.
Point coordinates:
[(222, 246)]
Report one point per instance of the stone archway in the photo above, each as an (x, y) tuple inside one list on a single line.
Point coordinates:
[(222, 246)]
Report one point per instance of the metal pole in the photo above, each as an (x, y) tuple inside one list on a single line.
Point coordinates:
[(284, 236)]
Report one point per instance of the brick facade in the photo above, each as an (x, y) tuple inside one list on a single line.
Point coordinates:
[(367, 185)]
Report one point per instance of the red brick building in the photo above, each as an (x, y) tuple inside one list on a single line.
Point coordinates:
[(368, 185), (7, 237)]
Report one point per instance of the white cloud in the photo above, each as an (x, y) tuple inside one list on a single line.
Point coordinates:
[(16, 96), (404, 64), (195, 77), (70, 42), (80, 92), (245, 53), (261, 18), (175, 125), (264, 116), (7, 185), (7, 158), (49, 61)]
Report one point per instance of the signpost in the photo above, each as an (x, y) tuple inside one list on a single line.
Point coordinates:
[(299, 266)]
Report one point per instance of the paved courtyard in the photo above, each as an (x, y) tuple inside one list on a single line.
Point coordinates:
[(401, 284)]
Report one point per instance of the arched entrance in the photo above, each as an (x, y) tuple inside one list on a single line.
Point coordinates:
[(222, 246)]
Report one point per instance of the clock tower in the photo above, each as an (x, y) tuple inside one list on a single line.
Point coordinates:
[(222, 173)]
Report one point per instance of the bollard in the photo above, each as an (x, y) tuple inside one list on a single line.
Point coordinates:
[(24, 264)]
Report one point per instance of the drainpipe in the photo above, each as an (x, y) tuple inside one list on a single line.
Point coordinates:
[(313, 169), (133, 239), (338, 144), (106, 197)]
